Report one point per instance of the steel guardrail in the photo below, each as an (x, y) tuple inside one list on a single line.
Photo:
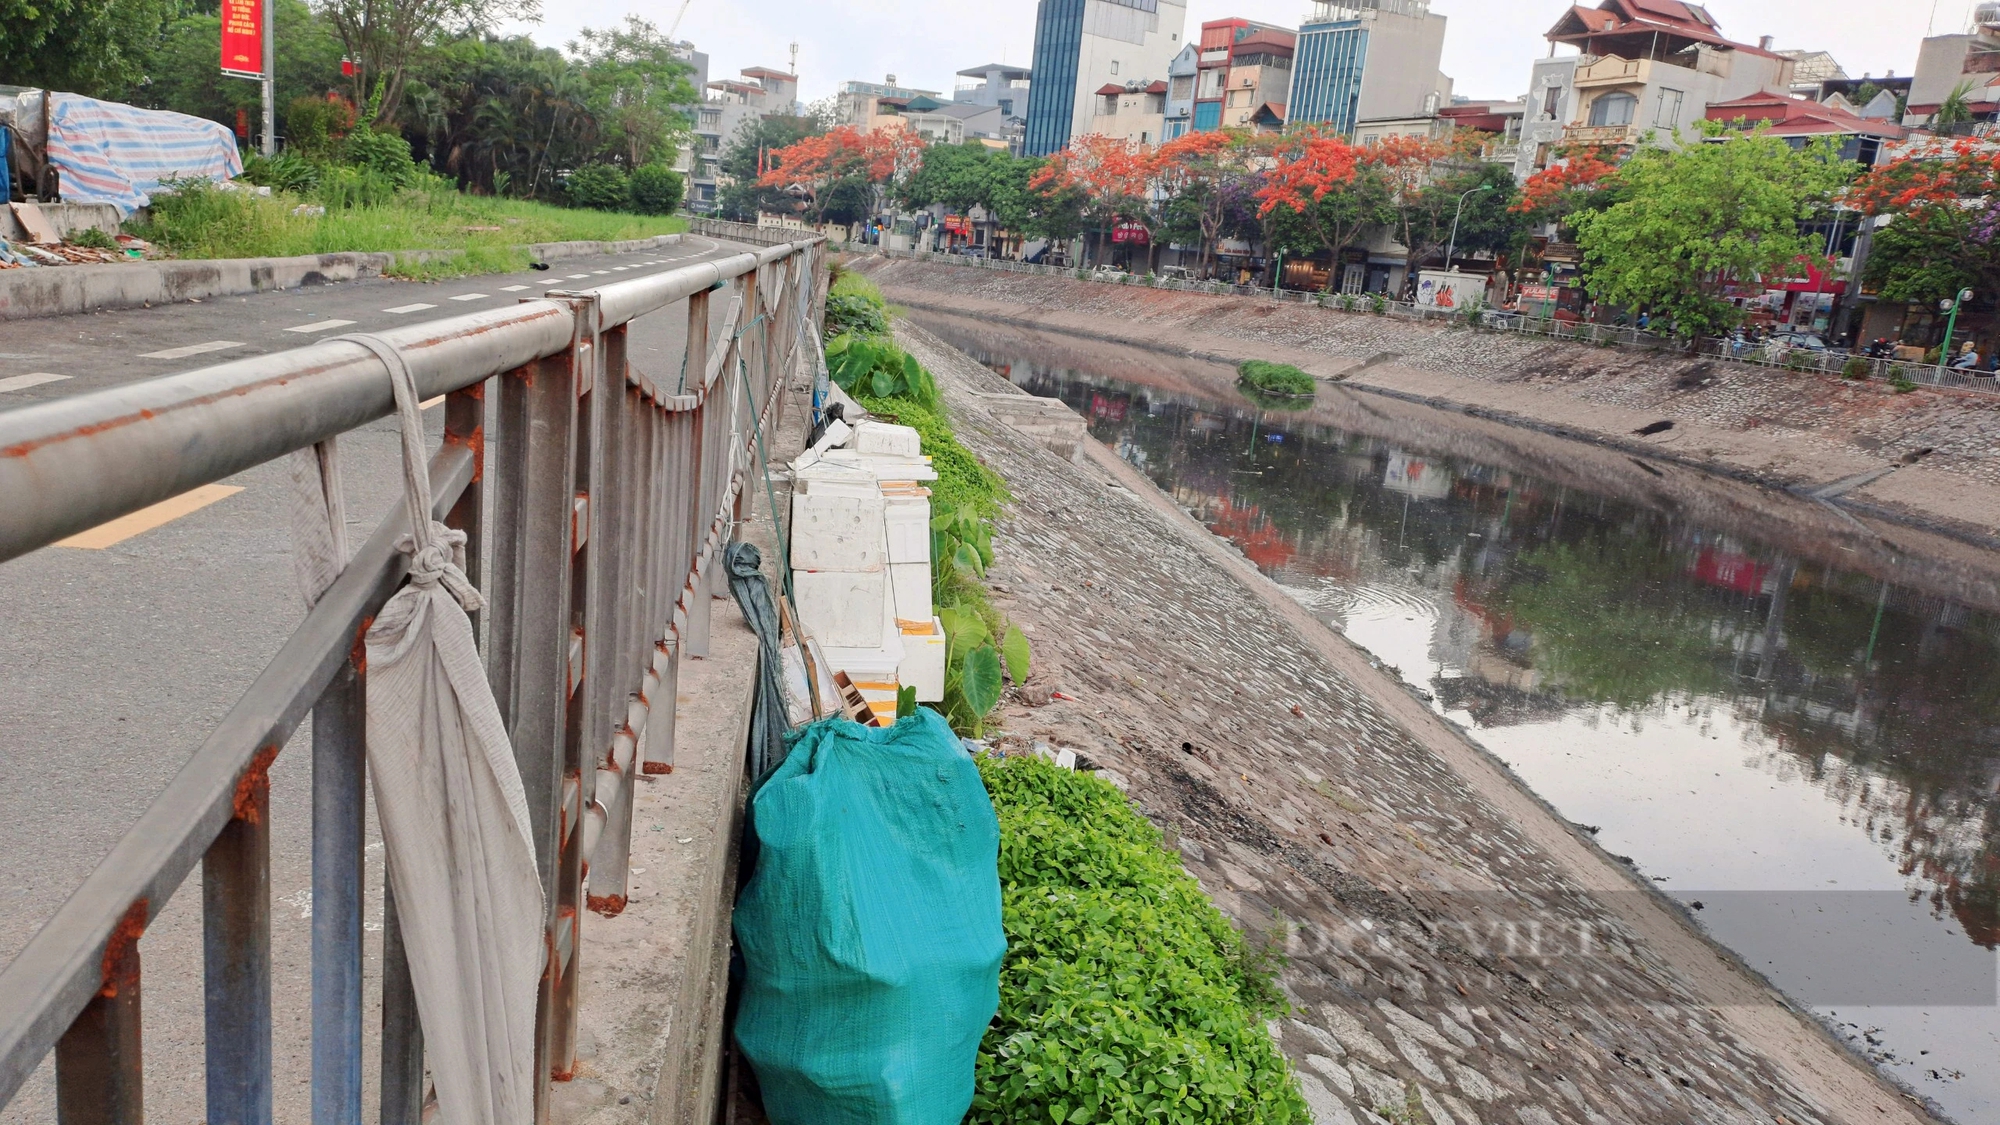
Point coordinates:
[(598, 564)]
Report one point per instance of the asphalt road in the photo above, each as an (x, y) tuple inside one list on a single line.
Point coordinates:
[(116, 660)]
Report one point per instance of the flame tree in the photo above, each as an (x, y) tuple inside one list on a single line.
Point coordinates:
[(1112, 180), (842, 162), (1205, 173), (1941, 206), (1580, 178), (1330, 187)]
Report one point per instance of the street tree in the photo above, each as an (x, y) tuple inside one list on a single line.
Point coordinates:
[(385, 38), (1327, 188), (638, 90), (744, 159), (1202, 173), (1424, 177), (1112, 180), (844, 164), (1941, 207), (1696, 220), (1578, 179)]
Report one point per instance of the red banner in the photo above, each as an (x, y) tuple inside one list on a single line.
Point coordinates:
[(243, 38), (1134, 233)]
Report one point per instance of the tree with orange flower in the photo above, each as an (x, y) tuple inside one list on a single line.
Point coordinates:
[(1552, 193), (1425, 178), (1941, 203), (1326, 185), (817, 168), (1113, 177), (1204, 172)]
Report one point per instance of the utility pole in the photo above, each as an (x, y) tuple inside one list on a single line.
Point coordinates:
[(270, 78), (1951, 325)]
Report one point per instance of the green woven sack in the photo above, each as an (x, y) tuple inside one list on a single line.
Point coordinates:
[(870, 930)]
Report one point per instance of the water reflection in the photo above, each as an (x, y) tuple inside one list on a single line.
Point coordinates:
[(1735, 718)]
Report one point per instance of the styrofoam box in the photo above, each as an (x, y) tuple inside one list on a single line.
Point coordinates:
[(909, 521), (875, 672), (910, 588), (837, 525), (843, 608), (886, 437), (882, 466), (923, 663)]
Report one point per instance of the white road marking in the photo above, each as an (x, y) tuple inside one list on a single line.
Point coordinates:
[(401, 309), (430, 402), (193, 349), (470, 297), (512, 288), (552, 281), (621, 267), (577, 276), (599, 273), (31, 379), (319, 326)]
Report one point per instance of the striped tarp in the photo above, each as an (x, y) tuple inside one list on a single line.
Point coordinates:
[(120, 154)]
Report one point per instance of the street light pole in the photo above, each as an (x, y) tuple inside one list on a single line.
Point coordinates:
[(270, 82), (1452, 250), (1951, 325)]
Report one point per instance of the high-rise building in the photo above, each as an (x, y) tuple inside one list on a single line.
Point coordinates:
[(1244, 67), (1082, 46), (1361, 60)]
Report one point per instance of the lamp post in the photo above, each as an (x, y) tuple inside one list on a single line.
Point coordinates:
[(1452, 250), (1951, 325)]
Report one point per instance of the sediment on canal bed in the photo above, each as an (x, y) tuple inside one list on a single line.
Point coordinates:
[(1776, 428), (1457, 953)]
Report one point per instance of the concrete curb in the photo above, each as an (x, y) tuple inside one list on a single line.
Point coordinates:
[(65, 290)]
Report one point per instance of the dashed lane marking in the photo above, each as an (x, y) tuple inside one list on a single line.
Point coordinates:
[(576, 277), (401, 309), (470, 297), (319, 326), (599, 273), (193, 349), (553, 281), (512, 288), (31, 379), (146, 519)]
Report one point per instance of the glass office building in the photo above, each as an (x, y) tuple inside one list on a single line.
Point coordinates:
[(1081, 45), (1058, 53), (1326, 73)]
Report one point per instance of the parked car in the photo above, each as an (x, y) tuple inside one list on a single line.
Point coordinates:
[(1177, 273), (1811, 341)]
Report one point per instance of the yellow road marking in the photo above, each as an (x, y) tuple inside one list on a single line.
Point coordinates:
[(146, 519)]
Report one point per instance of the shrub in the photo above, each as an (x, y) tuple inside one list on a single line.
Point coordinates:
[(854, 314), (1347, 302), (600, 187), (1125, 994), (1855, 368), (387, 155), (1276, 378), (92, 237), (657, 189), (1378, 303), (1900, 380), (314, 126), (287, 171), (343, 189)]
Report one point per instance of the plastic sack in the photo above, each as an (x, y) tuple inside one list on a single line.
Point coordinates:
[(870, 930)]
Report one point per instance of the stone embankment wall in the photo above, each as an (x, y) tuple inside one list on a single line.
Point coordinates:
[(1773, 427), (1457, 954)]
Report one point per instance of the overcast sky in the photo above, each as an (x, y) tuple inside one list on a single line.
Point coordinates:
[(924, 42)]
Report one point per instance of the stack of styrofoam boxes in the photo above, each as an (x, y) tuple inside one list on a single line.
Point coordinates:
[(861, 563)]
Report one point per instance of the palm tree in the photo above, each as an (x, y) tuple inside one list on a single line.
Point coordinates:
[(1955, 110)]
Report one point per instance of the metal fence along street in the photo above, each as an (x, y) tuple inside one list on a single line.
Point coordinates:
[(596, 502)]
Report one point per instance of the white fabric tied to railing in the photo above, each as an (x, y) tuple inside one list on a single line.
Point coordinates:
[(448, 794)]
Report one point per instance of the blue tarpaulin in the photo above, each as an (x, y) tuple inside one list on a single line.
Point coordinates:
[(120, 154)]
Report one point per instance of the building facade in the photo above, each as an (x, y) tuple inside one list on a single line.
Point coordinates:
[(998, 85), (1646, 69), (1241, 67), (1181, 75), (760, 92), (1969, 62), (1081, 46), (1373, 60), (1135, 113), (859, 103)]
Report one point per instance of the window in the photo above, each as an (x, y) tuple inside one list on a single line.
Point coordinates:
[(1669, 113), (1183, 87), (1613, 109), (1552, 103), (1370, 139), (1110, 106), (1007, 107), (1114, 66)]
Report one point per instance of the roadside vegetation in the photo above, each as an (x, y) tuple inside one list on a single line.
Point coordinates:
[(1280, 380), (1126, 996)]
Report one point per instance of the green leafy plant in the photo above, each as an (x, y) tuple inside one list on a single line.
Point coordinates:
[(1855, 368), (1900, 380), (880, 368), (1347, 302), (1378, 303), (1015, 651), (600, 187), (385, 154), (854, 313), (287, 171), (1276, 379), (93, 238), (656, 189), (1125, 996)]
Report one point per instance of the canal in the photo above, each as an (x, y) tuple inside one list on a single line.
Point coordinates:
[(1804, 755)]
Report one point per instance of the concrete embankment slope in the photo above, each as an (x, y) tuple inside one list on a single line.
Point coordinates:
[(1776, 428), (1456, 951)]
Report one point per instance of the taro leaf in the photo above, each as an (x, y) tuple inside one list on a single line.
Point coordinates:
[(967, 558), (979, 679), (1015, 648), (884, 383), (964, 629), (840, 344), (906, 702)]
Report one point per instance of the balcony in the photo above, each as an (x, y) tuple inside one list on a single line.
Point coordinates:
[(1602, 134), (1610, 70)]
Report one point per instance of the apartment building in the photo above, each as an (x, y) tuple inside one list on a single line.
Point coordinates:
[(1969, 62), (1003, 87), (1082, 46), (1642, 70), (1134, 113), (760, 92), (1371, 60), (1242, 68), (860, 103), (1181, 75)]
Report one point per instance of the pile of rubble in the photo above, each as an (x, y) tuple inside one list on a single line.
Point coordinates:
[(44, 245)]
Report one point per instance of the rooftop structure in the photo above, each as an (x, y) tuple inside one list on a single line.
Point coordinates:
[(1082, 46), (1367, 60)]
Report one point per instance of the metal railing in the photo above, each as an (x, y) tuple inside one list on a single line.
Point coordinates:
[(610, 497), (1833, 364)]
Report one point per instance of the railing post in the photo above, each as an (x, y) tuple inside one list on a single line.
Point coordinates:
[(339, 739), (402, 1031), (99, 1069), (236, 955)]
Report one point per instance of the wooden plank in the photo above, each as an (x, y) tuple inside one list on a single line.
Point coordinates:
[(40, 230)]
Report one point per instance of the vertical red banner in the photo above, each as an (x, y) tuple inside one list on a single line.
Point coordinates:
[(243, 38)]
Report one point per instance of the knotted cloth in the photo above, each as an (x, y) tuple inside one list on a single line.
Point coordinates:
[(448, 794)]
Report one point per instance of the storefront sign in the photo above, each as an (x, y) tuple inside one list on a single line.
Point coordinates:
[(1133, 233), (958, 224), (243, 38)]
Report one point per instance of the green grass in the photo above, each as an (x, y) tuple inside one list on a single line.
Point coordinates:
[(1276, 378), (484, 235)]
